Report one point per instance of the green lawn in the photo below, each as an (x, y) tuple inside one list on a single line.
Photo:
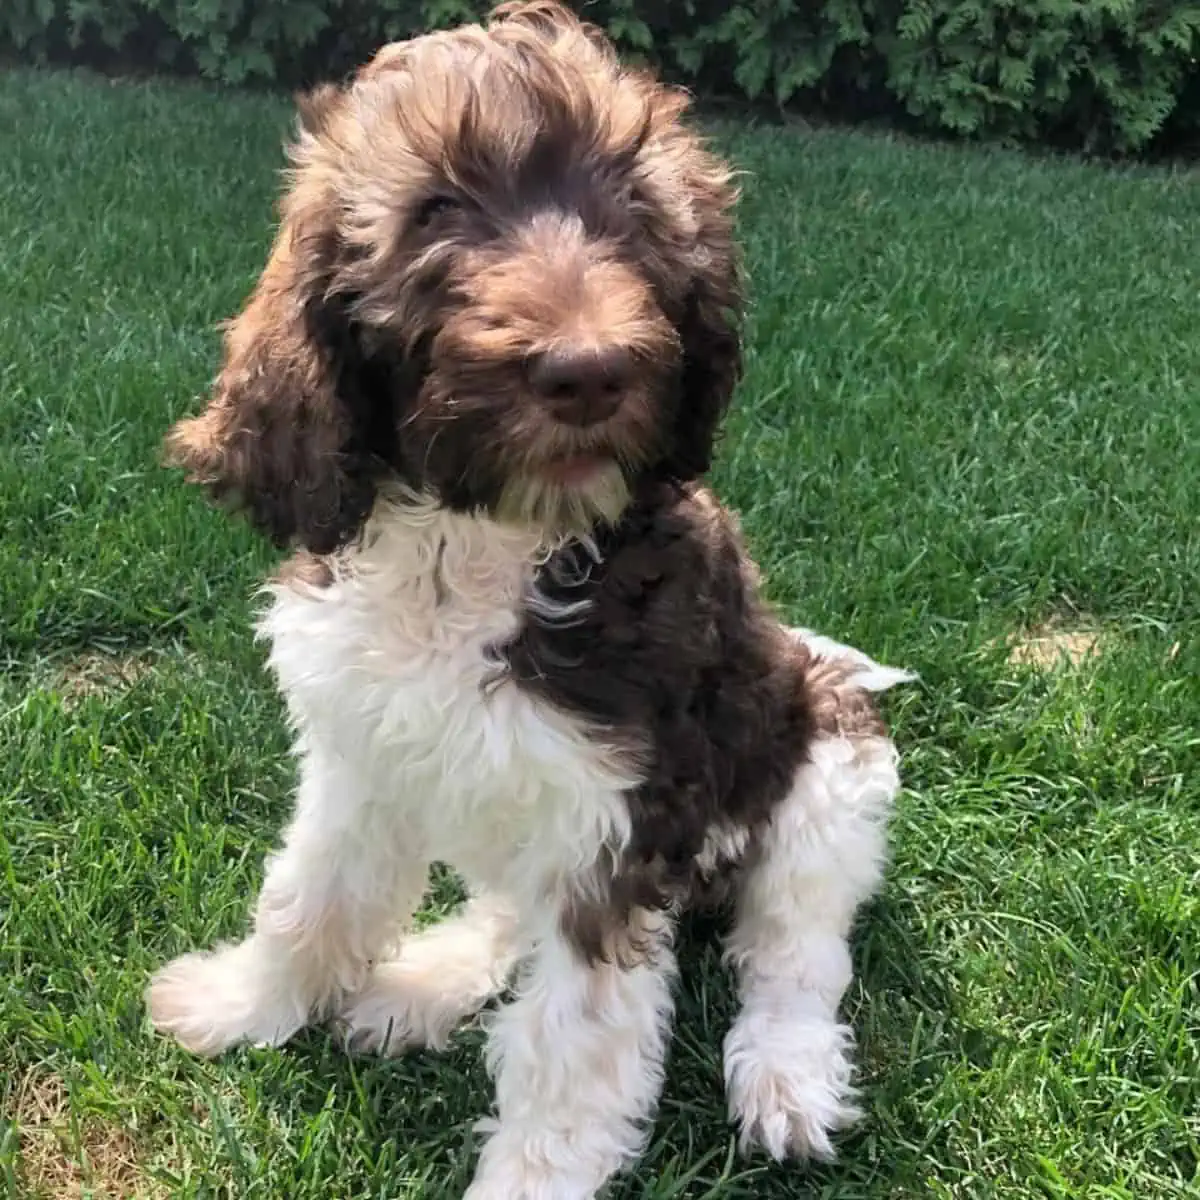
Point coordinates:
[(971, 411)]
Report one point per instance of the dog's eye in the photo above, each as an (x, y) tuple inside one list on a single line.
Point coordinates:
[(433, 207)]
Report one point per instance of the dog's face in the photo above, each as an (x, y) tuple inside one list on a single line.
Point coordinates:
[(505, 275)]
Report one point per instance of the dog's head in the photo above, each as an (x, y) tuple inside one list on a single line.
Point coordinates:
[(505, 275)]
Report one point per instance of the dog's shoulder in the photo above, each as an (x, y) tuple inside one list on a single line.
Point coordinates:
[(669, 639), (670, 587)]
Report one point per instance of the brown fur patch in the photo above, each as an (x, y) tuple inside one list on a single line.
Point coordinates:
[(839, 707), (305, 570), (679, 657), (612, 933), (63, 1158)]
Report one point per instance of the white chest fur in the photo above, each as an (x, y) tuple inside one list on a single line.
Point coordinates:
[(388, 668)]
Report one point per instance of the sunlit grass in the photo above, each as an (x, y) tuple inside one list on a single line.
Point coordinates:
[(971, 413)]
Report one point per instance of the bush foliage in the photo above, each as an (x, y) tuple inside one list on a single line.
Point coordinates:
[(1101, 75)]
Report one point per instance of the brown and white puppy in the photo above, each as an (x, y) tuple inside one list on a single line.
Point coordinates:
[(475, 389)]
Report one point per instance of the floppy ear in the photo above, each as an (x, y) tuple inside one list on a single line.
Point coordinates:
[(285, 436), (710, 330)]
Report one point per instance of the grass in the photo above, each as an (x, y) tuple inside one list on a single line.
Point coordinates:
[(970, 416)]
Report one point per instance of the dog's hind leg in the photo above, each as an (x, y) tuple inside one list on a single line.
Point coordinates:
[(438, 978), (334, 897), (787, 1064)]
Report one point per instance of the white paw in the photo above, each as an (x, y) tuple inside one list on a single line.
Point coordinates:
[(399, 1009), (536, 1167), (439, 978), (209, 1002), (787, 1078)]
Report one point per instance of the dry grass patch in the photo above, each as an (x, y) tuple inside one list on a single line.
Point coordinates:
[(98, 673), (63, 1157), (1048, 649)]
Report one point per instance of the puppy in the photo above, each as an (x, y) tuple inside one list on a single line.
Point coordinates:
[(474, 391)]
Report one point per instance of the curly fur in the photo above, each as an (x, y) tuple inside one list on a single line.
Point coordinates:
[(470, 200), (517, 634)]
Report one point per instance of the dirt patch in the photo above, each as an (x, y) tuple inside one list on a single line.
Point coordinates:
[(1048, 649), (98, 673), (66, 1158)]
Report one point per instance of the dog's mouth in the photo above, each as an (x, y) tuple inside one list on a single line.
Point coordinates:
[(576, 470), (569, 492)]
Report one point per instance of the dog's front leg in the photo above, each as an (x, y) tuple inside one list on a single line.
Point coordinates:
[(578, 1062), (346, 877), (787, 1057)]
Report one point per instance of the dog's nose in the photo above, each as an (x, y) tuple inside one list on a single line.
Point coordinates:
[(582, 387)]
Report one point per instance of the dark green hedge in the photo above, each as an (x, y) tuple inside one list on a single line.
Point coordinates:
[(1101, 75)]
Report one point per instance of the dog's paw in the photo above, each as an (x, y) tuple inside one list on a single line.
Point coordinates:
[(788, 1082), (210, 1002), (531, 1162), (439, 979), (511, 1169), (386, 1018)]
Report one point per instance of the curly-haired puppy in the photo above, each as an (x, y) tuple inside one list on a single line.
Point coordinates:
[(475, 389)]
